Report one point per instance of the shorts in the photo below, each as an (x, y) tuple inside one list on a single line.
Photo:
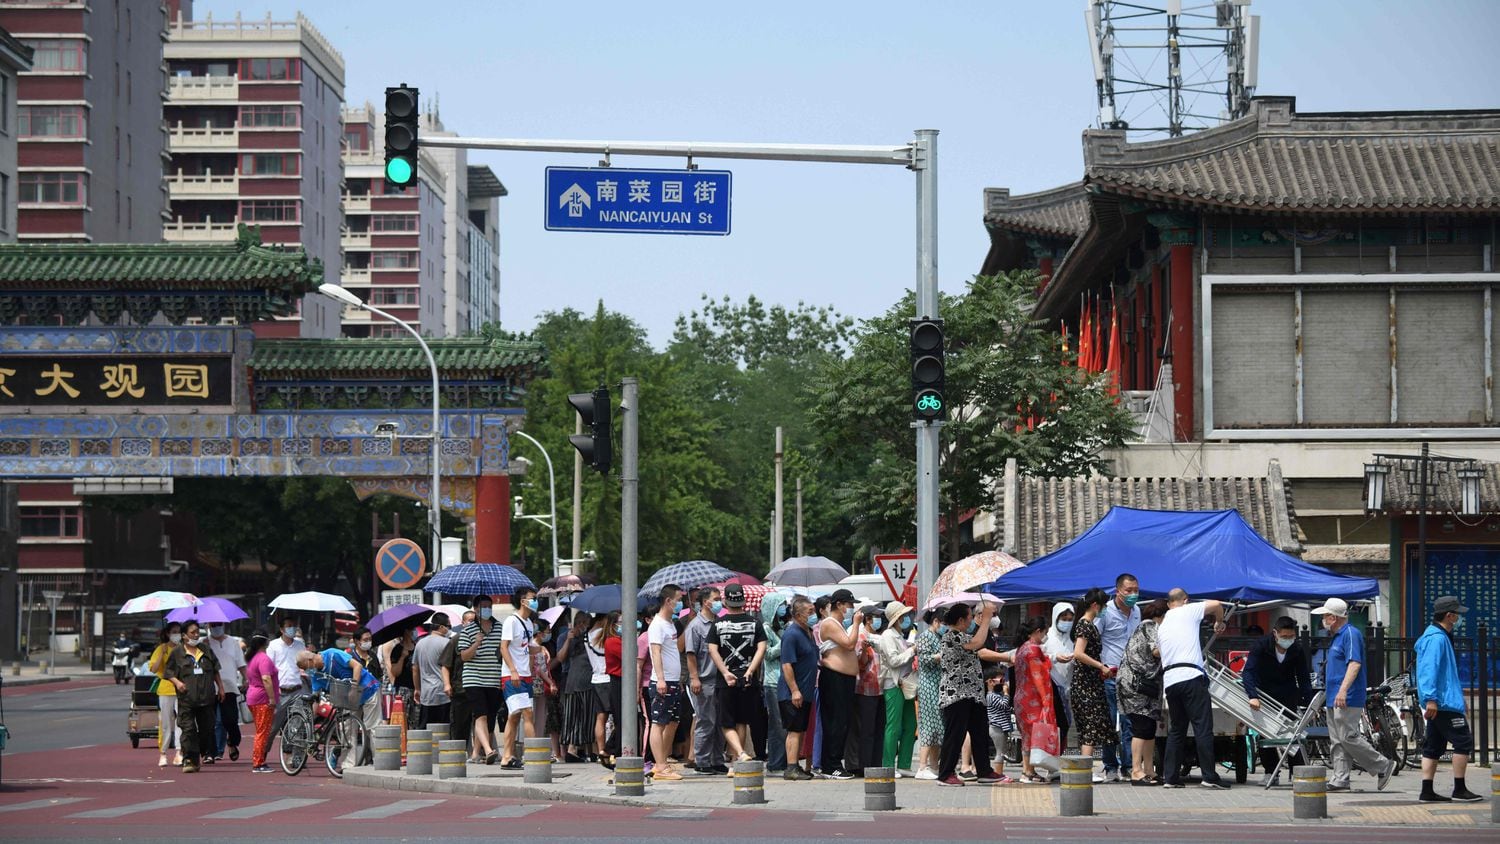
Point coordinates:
[(484, 701), (794, 718), (1142, 727), (517, 694), (738, 705), (1448, 727), (665, 708), (603, 698)]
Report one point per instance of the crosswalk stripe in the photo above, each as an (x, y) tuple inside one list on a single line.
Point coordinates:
[(678, 815), (511, 811), (41, 804), (389, 809), (121, 811), (845, 817), (259, 809)]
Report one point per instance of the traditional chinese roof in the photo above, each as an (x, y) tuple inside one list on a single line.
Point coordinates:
[(472, 358), (1402, 490), (1036, 516), (1062, 211), (242, 279)]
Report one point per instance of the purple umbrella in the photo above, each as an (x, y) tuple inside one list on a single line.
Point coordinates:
[(211, 611), (389, 624)]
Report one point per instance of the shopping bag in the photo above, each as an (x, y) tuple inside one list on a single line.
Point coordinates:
[(246, 716), (1044, 747)]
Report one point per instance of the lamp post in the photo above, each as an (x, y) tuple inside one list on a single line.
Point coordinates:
[(551, 518), (434, 504)]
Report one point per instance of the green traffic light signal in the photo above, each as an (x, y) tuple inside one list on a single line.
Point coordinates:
[(398, 171)]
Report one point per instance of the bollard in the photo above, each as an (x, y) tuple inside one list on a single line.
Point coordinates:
[(439, 732), (1309, 792), (630, 776), (451, 763), (749, 782), (419, 752), (880, 789), (1075, 795), (387, 748), (1495, 793), (538, 759)]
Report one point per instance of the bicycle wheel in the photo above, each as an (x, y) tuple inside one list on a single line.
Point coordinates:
[(296, 738), (1380, 738), (345, 744), (1390, 729)]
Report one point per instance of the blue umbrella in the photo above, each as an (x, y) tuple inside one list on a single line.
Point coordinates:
[(479, 579), (603, 599), (687, 575)]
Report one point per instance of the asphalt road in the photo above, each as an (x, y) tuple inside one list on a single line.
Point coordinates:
[(79, 713)]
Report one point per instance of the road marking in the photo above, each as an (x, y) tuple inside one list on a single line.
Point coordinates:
[(265, 808), (511, 811), (678, 815), (41, 804), (397, 808), (844, 817), (121, 811), (80, 746)]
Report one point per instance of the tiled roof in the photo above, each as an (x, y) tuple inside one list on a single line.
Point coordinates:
[(469, 357), (1062, 211), (1036, 516), (1276, 159), (158, 267), (1401, 490)]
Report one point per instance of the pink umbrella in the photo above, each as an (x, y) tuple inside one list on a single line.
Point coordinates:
[(973, 572)]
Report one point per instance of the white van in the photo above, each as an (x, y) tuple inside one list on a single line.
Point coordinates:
[(871, 587)]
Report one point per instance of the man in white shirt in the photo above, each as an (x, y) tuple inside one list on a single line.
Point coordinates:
[(230, 652), (666, 681), (283, 652), (517, 644), (1186, 683)]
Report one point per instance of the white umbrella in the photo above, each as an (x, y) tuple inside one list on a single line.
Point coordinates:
[(312, 602), (159, 601)]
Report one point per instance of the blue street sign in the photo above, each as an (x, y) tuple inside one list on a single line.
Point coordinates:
[(400, 563), (609, 199)]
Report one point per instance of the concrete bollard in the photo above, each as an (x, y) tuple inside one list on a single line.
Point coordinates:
[(452, 763), (387, 748), (440, 732), (1075, 794), (1495, 793), (749, 782), (538, 759), (630, 776), (1310, 792), (419, 752), (880, 789)]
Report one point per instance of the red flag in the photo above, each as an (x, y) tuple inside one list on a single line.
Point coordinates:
[(1096, 343), (1113, 363), (1083, 338)]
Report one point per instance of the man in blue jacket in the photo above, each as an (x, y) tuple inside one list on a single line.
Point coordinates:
[(1442, 696)]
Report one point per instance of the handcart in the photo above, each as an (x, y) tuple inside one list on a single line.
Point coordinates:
[(144, 720), (1275, 724)]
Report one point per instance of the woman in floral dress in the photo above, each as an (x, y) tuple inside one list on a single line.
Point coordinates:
[(1140, 693), (929, 715), (1090, 707), (1033, 698)]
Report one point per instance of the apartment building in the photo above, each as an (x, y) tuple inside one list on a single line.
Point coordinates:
[(471, 265), (88, 119), (15, 58), (253, 131)]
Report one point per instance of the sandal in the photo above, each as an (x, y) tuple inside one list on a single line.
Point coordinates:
[(512, 765)]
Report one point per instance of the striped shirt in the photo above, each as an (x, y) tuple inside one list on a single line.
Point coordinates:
[(484, 669), (999, 710)]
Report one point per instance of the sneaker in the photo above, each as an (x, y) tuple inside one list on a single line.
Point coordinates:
[(840, 774), (990, 779), (925, 774), (1434, 797), (714, 769), (968, 776), (1466, 796), (262, 769), (1215, 785), (795, 773), (899, 775), (1099, 777), (1385, 775), (1111, 776), (1172, 785), (951, 781), (234, 754), (1344, 787)]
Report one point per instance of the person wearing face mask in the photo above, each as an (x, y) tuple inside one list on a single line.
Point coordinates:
[(1117, 623), (1034, 702), (283, 652), (1090, 708), (869, 697), (773, 621), (737, 646), (231, 655), (665, 657), (799, 671), (961, 694), (611, 644), (262, 694), (1277, 667), (518, 643), (1186, 684), (929, 679), (836, 677), (1140, 693), (1344, 679), (362, 650), (193, 671), (432, 685), (478, 646), (898, 688), (1441, 695), (168, 734), (1058, 645), (460, 716), (701, 675)]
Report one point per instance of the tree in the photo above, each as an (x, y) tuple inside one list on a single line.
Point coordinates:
[(1002, 370)]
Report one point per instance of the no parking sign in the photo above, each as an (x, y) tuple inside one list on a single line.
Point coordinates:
[(400, 564)]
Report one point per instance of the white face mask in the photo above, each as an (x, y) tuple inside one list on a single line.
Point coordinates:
[(289, 632), (194, 641), (364, 646), (216, 632), (176, 638)]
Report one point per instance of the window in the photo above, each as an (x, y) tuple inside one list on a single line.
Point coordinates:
[(397, 190), (393, 260), (52, 121), (56, 55), (52, 188), (394, 223), (270, 117), (52, 522), (4, 103), (276, 70), (4, 201), (393, 296), (270, 164), (270, 211)]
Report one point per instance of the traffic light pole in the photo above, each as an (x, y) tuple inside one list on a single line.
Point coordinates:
[(924, 162), (630, 490)]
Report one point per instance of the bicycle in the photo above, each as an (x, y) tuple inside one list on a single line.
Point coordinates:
[(326, 725)]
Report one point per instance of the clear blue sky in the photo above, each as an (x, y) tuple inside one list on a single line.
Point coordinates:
[(1009, 85)]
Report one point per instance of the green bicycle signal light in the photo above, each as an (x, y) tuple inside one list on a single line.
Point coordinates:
[(927, 370)]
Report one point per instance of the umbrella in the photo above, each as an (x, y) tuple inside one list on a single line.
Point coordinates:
[(973, 572), (806, 571), (211, 611), (312, 602), (742, 579), (455, 613), (603, 599), (962, 598), (479, 579), (159, 601), (688, 575), (389, 624), (550, 615), (563, 584)]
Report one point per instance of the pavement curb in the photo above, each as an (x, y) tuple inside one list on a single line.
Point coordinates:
[(22, 682), (397, 781)]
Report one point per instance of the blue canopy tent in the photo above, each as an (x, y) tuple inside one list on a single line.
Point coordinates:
[(1210, 554)]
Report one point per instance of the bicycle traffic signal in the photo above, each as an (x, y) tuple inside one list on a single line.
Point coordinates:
[(927, 370), (401, 136), (594, 443)]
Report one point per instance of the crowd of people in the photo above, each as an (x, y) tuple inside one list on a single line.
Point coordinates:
[(821, 688)]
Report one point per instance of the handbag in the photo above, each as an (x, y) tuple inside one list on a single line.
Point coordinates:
[(246, 717)]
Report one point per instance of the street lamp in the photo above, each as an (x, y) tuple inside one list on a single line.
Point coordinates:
[(551, 518), (434, 505)]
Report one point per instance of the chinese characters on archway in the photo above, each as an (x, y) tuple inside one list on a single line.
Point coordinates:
[(147, 381)]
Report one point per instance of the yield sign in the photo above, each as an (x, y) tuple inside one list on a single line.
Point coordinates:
[(898, 571), (400, 563)]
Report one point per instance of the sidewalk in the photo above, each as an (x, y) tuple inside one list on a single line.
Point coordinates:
[(1397, 805), (69, 667)]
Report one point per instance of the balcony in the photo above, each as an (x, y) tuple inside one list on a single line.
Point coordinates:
[(206, 186), (203, 138), (181, 231), (355, 240), (203, 89), (355, 277), (356, 203)]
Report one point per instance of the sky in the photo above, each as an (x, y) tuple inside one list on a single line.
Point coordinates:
[(1009, 86)]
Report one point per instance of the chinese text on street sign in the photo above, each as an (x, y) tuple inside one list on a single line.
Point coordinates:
[(609, 199), (134, 380), (396, 597), (898, 570)]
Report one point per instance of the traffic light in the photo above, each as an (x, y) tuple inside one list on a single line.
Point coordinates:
[(927, 402), (400, 136), (594, 443)]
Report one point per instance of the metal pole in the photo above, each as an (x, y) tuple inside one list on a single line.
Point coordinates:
[(778, 547), (630, 488), (771, 542), (577, 555), (924, 162), (551, 495), (1422, 470), (799, 517), (828, 153)]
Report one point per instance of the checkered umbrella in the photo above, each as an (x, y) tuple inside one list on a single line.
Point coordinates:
[(688, 575), (479, 579)]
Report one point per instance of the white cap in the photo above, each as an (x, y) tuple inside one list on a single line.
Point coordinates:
[(1333, 606)]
